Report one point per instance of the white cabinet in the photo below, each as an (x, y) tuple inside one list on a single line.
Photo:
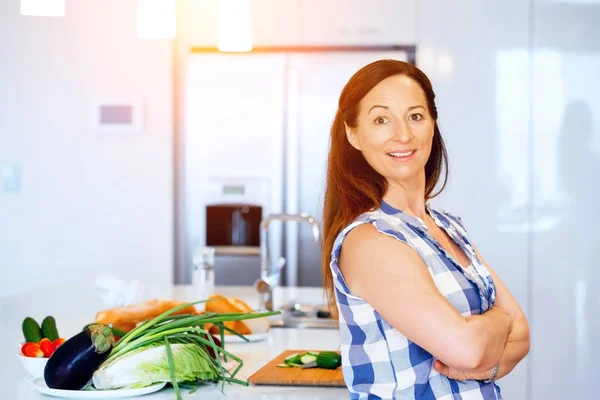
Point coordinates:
[(308, 22), (565, 149), (358, 22), (276, 22), (198, 23)]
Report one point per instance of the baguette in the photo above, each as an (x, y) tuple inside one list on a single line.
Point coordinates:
[(126, 318), (223, 305)]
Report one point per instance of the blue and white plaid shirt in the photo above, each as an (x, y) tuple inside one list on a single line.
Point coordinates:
[(378, 361)]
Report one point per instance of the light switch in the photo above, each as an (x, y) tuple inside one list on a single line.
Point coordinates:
[(11, 179)]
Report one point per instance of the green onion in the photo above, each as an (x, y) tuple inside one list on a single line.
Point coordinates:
[(172, 368), (187, 328)]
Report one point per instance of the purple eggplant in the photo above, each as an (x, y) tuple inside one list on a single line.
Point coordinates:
[(73, 363)]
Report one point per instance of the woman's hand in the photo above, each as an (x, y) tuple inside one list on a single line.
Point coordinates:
[(459, 375)]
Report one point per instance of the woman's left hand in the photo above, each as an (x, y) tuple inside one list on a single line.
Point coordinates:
[(459, 375)]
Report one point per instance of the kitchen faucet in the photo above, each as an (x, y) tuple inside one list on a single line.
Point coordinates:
[(269, 277)]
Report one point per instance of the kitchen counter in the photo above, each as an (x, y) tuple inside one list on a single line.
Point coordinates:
[(75, 305)]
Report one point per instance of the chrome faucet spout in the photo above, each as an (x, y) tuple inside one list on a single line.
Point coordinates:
[(269, 279)]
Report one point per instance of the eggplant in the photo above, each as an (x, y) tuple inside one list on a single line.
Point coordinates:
[(73, 363)]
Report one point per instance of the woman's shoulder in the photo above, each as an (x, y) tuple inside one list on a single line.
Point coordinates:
[(381, 223)]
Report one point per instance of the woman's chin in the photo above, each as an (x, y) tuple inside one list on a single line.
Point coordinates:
[(406, 177)]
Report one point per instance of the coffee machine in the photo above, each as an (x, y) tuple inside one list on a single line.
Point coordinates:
[(233, 210), (233, 225)]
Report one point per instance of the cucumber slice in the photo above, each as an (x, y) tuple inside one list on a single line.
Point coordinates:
[(284, 366), (293, 359), (312, 353), (308, 358)]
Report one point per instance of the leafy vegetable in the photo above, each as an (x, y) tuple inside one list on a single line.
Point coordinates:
[(173, 348), (151, 364)]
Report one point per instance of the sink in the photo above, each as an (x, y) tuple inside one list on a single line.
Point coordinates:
[(296, 315)]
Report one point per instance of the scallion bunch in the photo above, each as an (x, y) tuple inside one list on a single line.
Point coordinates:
[(168, 329)]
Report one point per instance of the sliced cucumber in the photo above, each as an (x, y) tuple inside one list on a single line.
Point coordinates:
[(293, 359), (307, 358), (323, 359)]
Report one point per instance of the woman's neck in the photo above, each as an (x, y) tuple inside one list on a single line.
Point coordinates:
[(407, 196)]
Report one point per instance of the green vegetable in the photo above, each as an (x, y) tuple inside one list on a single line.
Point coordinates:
[(49, 328), (284, 366), (293, 359), (151, 364), (329, 360), (307, 358), (172, 348), (172, 374), (31, 330), (311, 359)]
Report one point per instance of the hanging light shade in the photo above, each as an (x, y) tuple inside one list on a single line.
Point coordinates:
[(44, 8), (235, 25), (157, 19)]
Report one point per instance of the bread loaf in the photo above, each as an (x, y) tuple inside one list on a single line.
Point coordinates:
[(127, 317), (222, 305)]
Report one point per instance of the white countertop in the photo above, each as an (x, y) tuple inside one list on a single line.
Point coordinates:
[(74, 306)]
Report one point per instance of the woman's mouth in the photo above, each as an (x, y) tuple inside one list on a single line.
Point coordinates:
[(403, 155)]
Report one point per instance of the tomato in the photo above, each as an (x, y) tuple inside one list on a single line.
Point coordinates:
[(58, 342), (47, 347), (32, 350)]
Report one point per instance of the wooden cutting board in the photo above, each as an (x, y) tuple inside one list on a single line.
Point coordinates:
[(271, 374)]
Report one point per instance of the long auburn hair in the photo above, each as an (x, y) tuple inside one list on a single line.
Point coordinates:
[(353, 186)]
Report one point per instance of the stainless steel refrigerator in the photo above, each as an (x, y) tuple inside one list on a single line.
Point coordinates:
[(263, 119)]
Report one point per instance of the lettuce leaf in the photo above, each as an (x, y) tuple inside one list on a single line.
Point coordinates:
[(148, 365)]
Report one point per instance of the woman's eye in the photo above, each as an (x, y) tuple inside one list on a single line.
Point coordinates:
[(416, 117), (381, 120)]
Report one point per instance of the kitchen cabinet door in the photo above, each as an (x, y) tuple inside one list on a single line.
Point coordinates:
[(566, 193), (276, 23), (359, 22)]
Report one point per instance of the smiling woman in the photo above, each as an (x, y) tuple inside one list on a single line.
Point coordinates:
[(396, 108), (422, 316)]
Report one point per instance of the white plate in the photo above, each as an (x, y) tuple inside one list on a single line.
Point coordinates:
[(254, 337), (40, 386)]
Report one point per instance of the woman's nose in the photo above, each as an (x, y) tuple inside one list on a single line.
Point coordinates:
[(402, 133)]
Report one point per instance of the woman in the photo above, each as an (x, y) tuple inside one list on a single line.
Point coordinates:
[(422, 316)]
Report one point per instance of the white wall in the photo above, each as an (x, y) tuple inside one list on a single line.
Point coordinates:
[(89, 203)]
